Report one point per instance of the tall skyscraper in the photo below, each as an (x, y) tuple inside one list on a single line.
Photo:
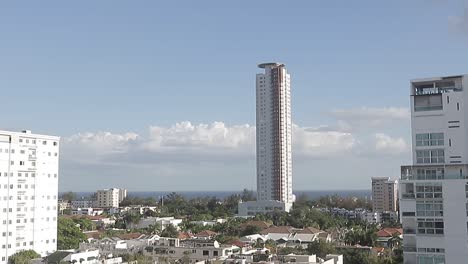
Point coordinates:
[(434, 190), (28, 193), (274, 153), (384, 194)]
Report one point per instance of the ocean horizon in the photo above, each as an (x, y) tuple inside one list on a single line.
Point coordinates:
[(311, 194)]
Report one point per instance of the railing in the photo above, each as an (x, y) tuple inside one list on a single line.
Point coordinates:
[(436, 90), (409, 231), (409, 249), (407, 196), (32, 157), (428, 108)]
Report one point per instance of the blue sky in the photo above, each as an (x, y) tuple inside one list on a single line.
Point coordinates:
[(112, 71)]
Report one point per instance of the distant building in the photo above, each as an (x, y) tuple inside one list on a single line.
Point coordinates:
[(110, 198), (29, 189), (274, 135), (83, 204), (384, 194)]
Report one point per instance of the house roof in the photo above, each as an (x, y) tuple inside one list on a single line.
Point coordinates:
[(256, 223), (129, 236), (206, 233), (388, 232), (238, 243), (277, 230), (57, 256), (309, 230), (93, 234), (185, 235)]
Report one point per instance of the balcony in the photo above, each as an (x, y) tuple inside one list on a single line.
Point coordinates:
[(429, 90), (409, 249), (409, 231), (32, 157), (407, 196)]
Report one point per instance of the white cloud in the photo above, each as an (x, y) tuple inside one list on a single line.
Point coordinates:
[(187, 135), (385, 144), (197, 154), (192, 142), (316, 143)]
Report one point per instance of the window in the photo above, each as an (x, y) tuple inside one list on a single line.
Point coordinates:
[(430, 139), (430, 156), (431, 259), (44, 142), (430, 208), (431, 226), (206, 252), (430, 174), (429, 191)]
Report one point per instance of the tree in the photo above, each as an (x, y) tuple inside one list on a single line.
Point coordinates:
[(69, 196), (23, 257), (154, 229), (247, 195), (321, 248), (170, 231), (250, 230), (84, 223), (69, 234)]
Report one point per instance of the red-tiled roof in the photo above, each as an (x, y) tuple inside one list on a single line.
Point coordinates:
[(277, 230), (388, 232), (309, 230), (185, 235), (206, 233), (259, 224), (237, 243)]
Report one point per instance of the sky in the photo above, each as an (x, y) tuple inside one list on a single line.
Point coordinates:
[(160, 95)]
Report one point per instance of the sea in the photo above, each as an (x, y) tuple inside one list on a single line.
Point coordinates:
[(312, 194)]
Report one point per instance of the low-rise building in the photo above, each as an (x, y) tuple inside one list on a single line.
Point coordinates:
[(82, 257), (83, 204), (88, 211), (161, 221)]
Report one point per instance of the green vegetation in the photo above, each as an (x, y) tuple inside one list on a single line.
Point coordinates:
[(170, 231), (23, 257), (69, 196), (69, 234)]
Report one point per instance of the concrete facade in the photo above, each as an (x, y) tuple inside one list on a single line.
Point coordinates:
[(110, 198), (29, 166), (384, 194), (434, 190), (273, 145)]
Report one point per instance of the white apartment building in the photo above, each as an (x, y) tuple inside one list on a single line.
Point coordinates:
[(274, 153), (384, 194), (434, 190), (110, 198), (29, 166)]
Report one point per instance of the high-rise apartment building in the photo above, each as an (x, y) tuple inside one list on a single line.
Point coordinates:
[(274, 129), (434, 190), (29, 166), (384, 194), (110, 198)]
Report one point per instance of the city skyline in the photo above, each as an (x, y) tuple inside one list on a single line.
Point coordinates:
[(136, 103)]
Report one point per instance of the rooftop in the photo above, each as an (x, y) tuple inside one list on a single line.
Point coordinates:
[(270, 64)]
